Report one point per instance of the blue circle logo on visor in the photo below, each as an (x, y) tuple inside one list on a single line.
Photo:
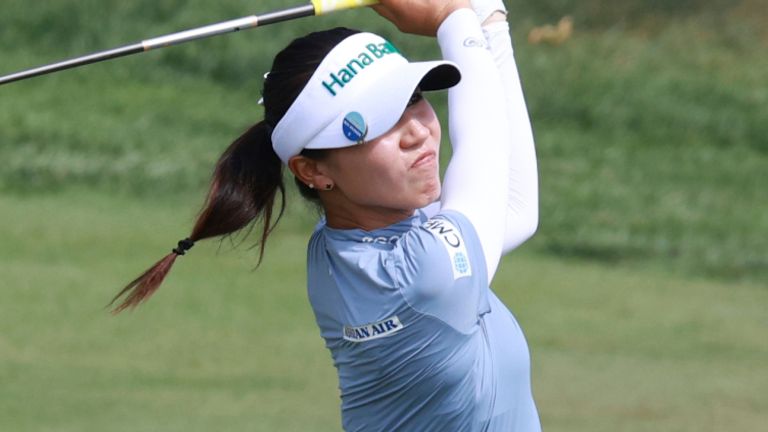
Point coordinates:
[(354, 127)]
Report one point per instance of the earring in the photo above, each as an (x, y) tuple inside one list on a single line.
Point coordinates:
[(311, 185), (328, 186)]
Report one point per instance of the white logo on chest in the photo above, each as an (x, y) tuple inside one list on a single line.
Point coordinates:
[(380, 240), (454, 245), (372, 331)]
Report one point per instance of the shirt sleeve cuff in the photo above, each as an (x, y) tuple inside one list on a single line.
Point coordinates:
[(458, 27)]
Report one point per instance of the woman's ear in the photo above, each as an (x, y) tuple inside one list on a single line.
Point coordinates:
[(308, 171)]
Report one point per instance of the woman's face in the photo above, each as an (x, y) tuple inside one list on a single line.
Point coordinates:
[(388, 177)]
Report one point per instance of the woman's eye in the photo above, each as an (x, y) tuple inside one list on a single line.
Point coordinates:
[(415, 97)]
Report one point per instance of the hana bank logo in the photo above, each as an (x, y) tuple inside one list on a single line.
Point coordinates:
[(357, 64)]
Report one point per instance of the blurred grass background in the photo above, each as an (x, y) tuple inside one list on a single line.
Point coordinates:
[(643, 294)]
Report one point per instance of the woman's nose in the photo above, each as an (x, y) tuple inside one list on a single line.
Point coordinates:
[(414, 133)]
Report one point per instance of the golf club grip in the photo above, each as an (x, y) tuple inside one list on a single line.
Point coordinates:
[(316, 7), (325, 6)]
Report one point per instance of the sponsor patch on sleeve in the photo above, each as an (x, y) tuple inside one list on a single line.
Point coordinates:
[(372, 331), (451, 239)]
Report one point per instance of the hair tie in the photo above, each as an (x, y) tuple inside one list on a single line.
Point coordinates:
[(183, 246)]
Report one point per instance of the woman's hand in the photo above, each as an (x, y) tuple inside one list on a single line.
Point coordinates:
[(422, 17)]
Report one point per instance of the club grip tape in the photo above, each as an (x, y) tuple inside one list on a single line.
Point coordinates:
[(325, 6)]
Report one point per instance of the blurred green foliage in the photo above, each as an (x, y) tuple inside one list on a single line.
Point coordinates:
[(608, 13), (649, 118)]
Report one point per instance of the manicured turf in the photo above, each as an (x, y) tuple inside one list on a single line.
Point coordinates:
[(643, 294), (223, 347)]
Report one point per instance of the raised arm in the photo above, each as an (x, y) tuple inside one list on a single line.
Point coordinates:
[(476, 178), (522, 214)]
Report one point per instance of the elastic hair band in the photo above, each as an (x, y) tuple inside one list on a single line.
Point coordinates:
[(183, 246)]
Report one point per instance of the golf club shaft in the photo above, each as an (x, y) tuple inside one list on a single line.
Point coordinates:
[(316, 7)]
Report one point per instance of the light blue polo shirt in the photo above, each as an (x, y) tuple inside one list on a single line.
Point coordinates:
[(419, 340)]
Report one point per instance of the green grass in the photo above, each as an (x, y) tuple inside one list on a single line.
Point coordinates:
[(220, 347), (643, 293), (227, 348)]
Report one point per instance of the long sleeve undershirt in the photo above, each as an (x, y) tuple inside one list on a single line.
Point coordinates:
[(476, 178), (523, 195), (492, 177)]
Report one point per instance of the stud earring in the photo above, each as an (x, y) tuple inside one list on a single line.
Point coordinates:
[(311, 185), (328, 186)]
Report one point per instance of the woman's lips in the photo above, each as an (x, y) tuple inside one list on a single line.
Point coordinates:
[(425, 159)]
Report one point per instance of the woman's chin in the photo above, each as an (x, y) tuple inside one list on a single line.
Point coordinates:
[(431, 193)]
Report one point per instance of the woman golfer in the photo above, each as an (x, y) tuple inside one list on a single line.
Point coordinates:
[(400, 265)]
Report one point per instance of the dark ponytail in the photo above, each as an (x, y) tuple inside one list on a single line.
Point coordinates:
[(245, 186), (249, 175)]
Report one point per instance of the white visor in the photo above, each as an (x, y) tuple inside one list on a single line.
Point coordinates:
[(358, 93)]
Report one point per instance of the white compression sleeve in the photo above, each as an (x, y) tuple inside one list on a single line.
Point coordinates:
[(476, 178), (522, 213)]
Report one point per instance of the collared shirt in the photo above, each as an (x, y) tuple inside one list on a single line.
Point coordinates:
[(419, 340)]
